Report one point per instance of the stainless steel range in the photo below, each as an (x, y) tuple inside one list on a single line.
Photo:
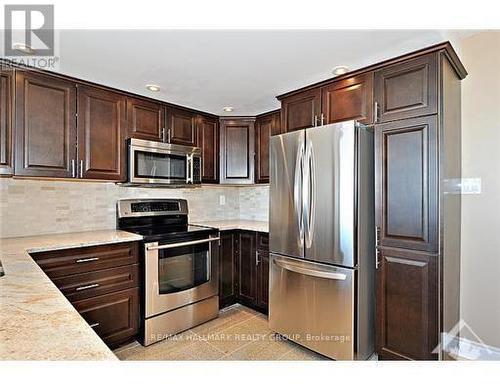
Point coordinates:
[(180, 266)]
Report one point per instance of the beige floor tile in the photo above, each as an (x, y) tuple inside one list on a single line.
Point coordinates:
[(199, 350), (299, 353), (261, 350)]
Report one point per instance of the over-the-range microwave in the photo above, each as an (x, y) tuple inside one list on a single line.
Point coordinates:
[(152, 163)]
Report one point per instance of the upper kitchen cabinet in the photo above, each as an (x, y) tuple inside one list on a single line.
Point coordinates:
[(146, 119), (301, 110), (406, 183), (101, 129), (181, 127), (208, 142), (266, 125), (237, 146), (45, 128), (407, 89), (348, 99), (6, 91)]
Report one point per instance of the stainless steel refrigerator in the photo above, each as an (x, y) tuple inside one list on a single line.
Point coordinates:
[(322, 239)]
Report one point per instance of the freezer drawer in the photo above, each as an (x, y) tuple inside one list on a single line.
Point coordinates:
[(313, 305)]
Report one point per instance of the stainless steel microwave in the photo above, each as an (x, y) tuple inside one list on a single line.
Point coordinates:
[(160, 164)]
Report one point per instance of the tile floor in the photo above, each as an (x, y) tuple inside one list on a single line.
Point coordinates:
[(239, 333)]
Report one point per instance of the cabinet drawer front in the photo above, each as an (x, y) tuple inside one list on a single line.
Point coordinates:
[(407, 90), (80, 260), (262, 241), (114, 317), (85, 285)]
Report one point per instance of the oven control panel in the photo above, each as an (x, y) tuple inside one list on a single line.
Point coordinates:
[(151, 207), (168, 206)]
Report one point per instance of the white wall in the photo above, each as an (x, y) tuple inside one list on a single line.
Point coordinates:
[(480, 267)]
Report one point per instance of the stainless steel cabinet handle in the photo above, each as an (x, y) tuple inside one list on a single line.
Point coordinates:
[(87, 260), (377, 235), (94, 325), (169, 135), (81, 168), (256, 258), (73, 168), (310, 272), (182, 244), (85, 287), (375, 111), (322, 119), (162, 134)]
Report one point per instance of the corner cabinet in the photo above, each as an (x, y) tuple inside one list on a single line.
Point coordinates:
[(207, 130), (237, 148), (101, 134), (6, 142), (45, 126), (266, 126)]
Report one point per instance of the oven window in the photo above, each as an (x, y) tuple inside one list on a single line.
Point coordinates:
[(183, 268), (159, 165)]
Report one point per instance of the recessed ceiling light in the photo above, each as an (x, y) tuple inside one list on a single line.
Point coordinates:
[(153, 87), (340, 70), (21, 47), (228, 109)]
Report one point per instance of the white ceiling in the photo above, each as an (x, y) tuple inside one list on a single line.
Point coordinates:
[(210, 69)]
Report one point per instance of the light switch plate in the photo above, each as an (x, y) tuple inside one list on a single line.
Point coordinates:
[(222, 200), (471, 186)]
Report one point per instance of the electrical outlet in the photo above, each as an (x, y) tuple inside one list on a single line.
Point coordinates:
[(471, 186), (222, 200)]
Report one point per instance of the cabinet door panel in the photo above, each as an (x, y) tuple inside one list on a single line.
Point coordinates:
[(101, 124), (300, 111), (237, 151), (263, 280), (349, 99), (6, 155), (227, 270), (208, 142), (247, 268), (406, 182), (181, 127), (407, 310), (146, 119), (265, 127), (408, 89), (45, 125)]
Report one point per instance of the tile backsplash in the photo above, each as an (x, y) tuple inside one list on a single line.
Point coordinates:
[(33, 207)]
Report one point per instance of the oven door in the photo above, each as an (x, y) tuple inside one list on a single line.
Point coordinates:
[(158, 166), (178, 274)]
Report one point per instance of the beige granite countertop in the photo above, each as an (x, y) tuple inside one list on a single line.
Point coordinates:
[(227, 225), (36, 320)]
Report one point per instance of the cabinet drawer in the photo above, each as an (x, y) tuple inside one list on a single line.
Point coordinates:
[(262, 241), (82, 286), (81, 260), (114, 317)]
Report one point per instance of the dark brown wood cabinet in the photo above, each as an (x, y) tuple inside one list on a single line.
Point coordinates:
[(301, 110), (348, 99), (101, 131), (237, 148), (407, 305), (146, 119), (266, 125), (227, 268), (102, 282), (45, 126), (181, 126), (208, 142), (407, 89), (407, 183), (262, 259), (247, 271), (6, 143)]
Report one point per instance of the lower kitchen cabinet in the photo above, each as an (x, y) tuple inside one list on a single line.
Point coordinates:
[(103, 284), (227, 269), (244, 269), (114, 316), (407, 305)]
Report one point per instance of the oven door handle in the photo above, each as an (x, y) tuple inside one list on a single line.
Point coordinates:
[(182, 244)]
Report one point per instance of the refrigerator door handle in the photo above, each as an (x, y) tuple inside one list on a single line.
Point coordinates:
[(298, 193), (300, 268), (309, 193)]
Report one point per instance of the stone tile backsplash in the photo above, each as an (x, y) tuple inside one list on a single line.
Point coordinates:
[(34, 207)]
